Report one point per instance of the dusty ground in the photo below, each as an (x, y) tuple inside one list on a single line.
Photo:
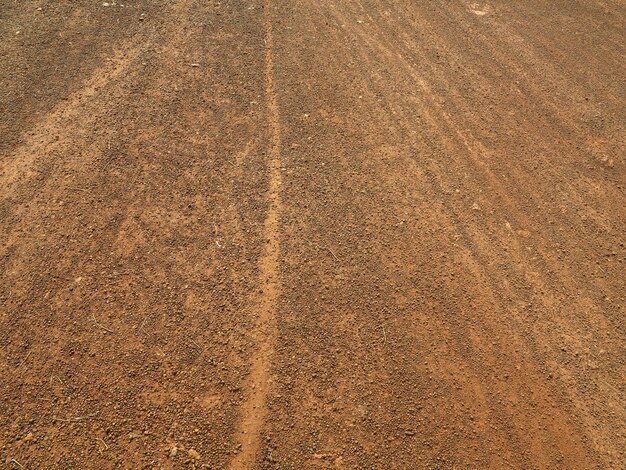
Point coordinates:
[(313, 234)]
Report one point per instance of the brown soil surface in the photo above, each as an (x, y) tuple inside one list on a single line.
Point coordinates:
[(313, 234)]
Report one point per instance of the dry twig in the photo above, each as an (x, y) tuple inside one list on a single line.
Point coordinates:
[(106, 446), (93, 317), (25, 359)]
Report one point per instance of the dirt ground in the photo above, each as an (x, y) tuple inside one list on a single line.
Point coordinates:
[(298, 234)]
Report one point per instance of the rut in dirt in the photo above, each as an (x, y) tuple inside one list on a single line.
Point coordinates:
[(254, 409)]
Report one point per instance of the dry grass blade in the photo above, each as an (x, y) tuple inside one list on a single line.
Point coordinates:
[(75, 419), (93, 317)]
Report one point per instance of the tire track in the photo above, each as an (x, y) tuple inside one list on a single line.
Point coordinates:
[(439, 119), (254, 409), (81, 109), (52, 129)]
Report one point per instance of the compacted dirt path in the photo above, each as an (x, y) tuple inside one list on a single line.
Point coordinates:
[(313, 234)]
